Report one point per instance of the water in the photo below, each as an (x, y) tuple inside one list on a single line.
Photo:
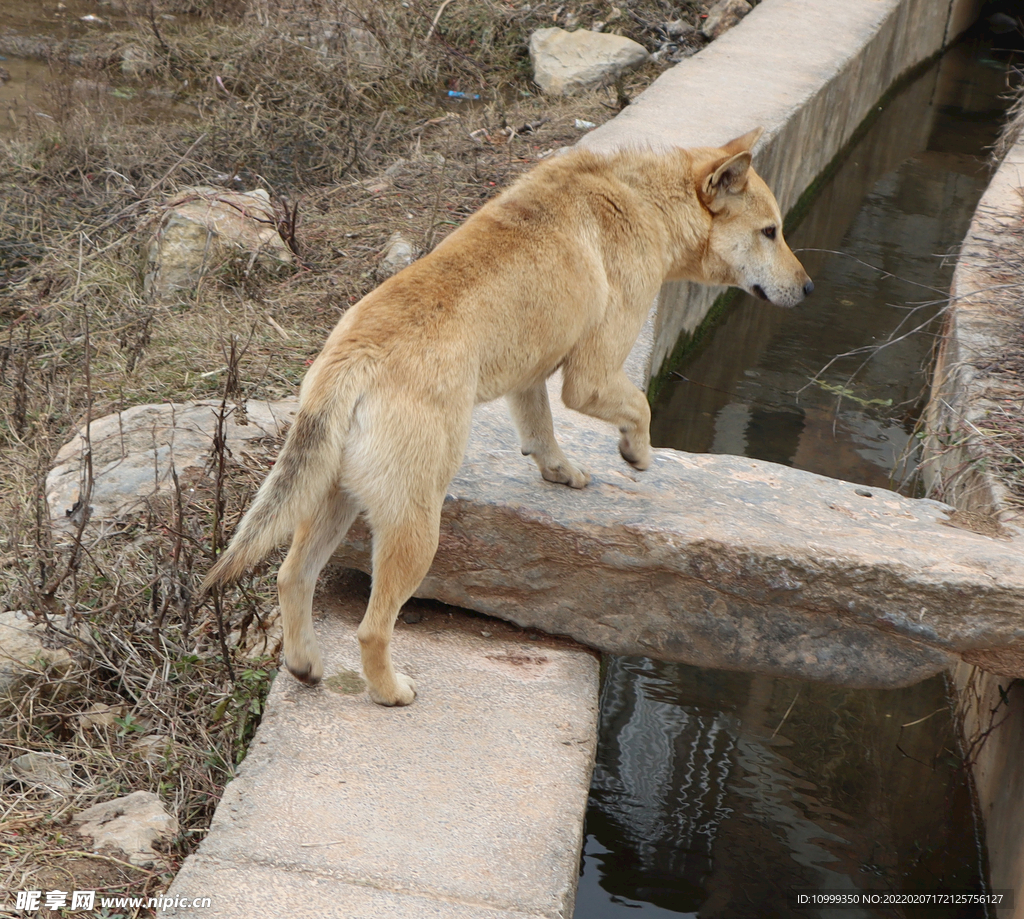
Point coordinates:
[(715, 794), (41, 84)]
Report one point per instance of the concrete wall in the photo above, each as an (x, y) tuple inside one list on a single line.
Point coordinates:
[(809, 72), (979, 327)]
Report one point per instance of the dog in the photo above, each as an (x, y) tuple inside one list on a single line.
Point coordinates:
[(557, 272)]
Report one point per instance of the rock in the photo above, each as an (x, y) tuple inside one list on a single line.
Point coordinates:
[(365, 49), (202, 228), (564, 62), (100, 715), (135, 60), (724, 15), (399, 254), (678, 28), (131, 824), (134, 452), (22, 646), (47, 771)]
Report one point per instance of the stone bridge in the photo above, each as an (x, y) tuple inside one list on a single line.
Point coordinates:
[(719, 561)]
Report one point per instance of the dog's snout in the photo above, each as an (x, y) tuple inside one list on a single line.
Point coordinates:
[(808, 288)]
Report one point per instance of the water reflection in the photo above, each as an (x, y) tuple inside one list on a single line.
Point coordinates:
[(720, 792)]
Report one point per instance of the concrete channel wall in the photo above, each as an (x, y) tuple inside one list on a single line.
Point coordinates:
[(965, 397)]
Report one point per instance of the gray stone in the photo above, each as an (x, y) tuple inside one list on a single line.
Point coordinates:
[(201, 228), (467, 805), (724, 15), (564, 62), (399, 254), (132, 825), (678, 28), (136, 452), (49, 772)]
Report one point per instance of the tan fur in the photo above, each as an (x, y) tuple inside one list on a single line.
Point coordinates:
[(559, 271)]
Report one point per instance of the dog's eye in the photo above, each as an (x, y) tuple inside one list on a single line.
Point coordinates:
[(769, 232)]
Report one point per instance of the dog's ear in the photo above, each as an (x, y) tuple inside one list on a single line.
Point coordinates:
[(744, 143), (723, 176)]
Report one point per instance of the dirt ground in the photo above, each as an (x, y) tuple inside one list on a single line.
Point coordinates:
[(354, 141)]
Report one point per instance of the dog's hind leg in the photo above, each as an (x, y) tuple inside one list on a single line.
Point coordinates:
[(403, 548), (531, 413), (314, 541)]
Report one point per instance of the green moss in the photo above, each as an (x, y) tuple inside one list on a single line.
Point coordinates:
[(688, 343)]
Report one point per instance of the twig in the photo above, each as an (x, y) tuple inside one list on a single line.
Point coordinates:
[(437, 16), (784, 717)]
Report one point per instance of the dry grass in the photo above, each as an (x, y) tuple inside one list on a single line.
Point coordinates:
[(250, 96)]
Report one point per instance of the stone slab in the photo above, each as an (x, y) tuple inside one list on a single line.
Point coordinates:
[(467, 803), (719, 561)]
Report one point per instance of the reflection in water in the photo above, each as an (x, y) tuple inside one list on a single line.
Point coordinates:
[(715, 794), (718, 793)]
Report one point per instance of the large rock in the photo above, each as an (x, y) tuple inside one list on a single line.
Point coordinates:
[(132, 825), (564, 62), (136, 453), (201, 228)]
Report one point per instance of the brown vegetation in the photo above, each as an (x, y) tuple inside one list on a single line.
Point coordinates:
[(355, 144)]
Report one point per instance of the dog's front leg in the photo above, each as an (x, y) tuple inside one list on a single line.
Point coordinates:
[(531, 413), (616, 399)]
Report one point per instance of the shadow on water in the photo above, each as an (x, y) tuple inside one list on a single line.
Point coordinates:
[(716, 794)]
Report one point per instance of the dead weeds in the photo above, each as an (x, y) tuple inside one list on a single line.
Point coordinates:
[(342, 112)]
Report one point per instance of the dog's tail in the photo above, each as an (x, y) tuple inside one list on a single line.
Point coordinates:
[(307, 468)]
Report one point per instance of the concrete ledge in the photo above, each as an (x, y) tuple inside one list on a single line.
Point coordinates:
[(467, 804), (979, 329)]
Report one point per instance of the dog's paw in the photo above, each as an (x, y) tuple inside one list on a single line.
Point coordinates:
[(566, 473), (639, 457), (403, 692), (308, 670)]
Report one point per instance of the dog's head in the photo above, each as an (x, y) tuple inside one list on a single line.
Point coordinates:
[(745, 247)]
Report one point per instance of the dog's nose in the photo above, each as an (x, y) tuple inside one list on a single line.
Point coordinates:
[(808, 288)]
